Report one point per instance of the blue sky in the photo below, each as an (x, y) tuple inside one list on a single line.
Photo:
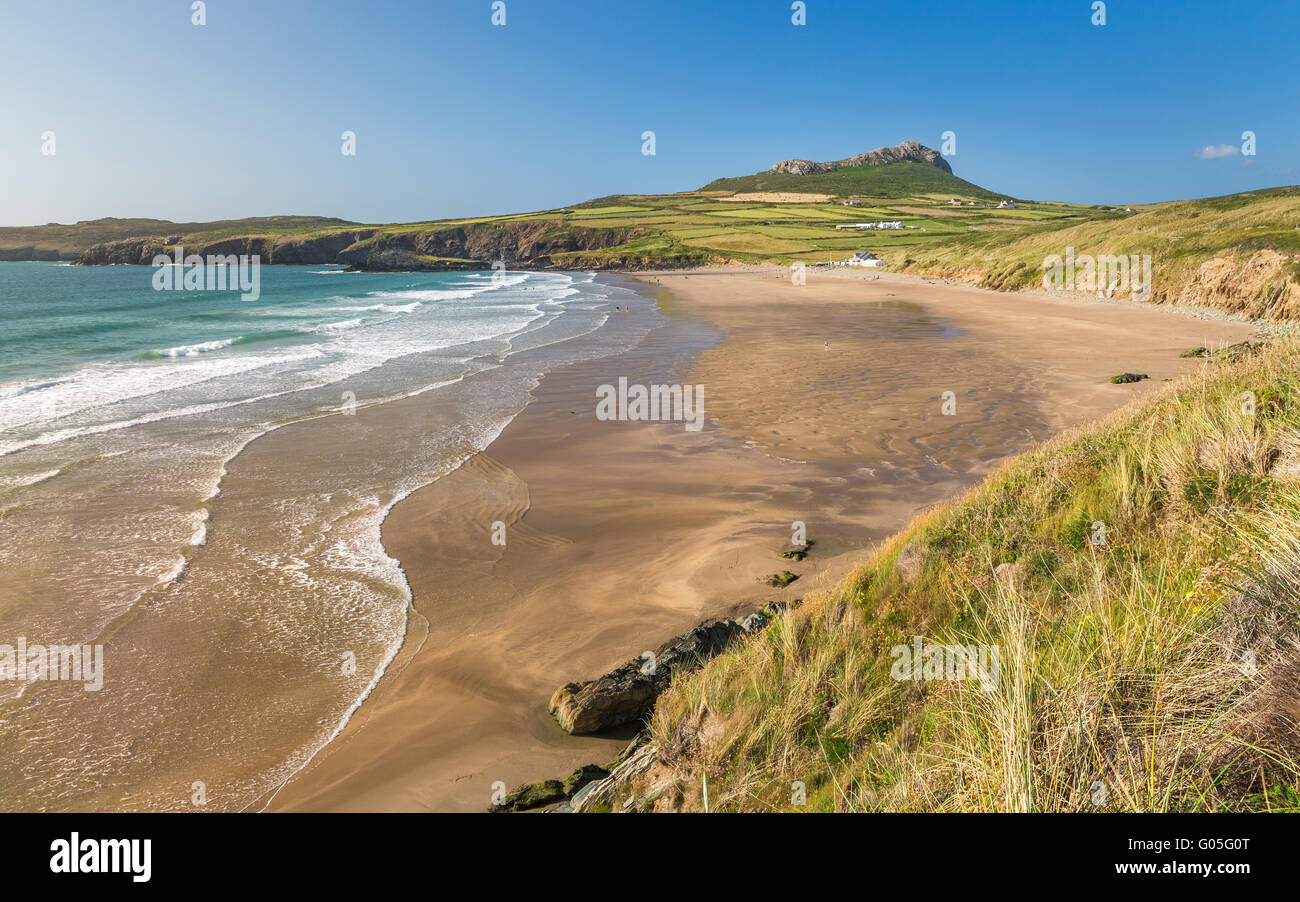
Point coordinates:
[(154, 116)]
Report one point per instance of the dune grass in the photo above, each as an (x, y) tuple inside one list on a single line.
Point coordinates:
[(1139, 580)]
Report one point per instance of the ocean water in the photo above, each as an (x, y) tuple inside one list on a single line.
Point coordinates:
[(197, 483), (87, 349)]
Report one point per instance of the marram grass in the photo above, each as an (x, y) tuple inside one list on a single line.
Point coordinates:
[(1157, 670)]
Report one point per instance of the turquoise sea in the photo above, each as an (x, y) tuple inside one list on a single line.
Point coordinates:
[(227, 583), (90, 348)]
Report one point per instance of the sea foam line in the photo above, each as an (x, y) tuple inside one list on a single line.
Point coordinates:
[(201, 348)]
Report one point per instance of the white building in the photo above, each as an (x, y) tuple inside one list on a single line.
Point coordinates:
[(865, 258), (896, 224), (1007, 205)]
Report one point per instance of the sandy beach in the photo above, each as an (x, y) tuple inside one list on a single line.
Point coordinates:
[(825, 404)]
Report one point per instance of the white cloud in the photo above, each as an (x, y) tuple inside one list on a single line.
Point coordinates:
[(1215, 151)]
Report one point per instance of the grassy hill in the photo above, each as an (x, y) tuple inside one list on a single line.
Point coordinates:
[(724, 222), (903, 179), (1158, 670)]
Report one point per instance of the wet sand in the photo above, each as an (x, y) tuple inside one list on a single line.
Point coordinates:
[(825, 404)]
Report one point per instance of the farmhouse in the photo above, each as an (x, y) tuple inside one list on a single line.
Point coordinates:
[(1007, 205)]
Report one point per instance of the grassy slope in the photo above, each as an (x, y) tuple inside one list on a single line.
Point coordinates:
[(712, 228), (890, 180), (1126, 665), (1256, 235)]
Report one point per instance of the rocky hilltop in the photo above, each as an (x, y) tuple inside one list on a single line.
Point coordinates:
[(907, 152)]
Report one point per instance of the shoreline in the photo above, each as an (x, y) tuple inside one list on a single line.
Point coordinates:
[(479, 701), (470, 469), (262, 589)]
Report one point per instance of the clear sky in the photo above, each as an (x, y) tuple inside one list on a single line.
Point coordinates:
[(154, 116)]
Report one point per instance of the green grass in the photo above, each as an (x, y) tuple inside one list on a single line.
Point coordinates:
[(1161, 664), (780, 579)]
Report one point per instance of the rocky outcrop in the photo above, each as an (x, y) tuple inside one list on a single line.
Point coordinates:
[(620, 696), (627, 693), (528, 244), (908, 151), (609, 793), (129, 250)]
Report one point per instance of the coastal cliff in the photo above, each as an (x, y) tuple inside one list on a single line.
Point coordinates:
[(519, 245)]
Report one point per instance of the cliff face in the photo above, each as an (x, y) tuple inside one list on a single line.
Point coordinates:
[(141, 251), (15, 254), (518, 244), (908, 151), (128, 250), (1259, 285), (521, 245)]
